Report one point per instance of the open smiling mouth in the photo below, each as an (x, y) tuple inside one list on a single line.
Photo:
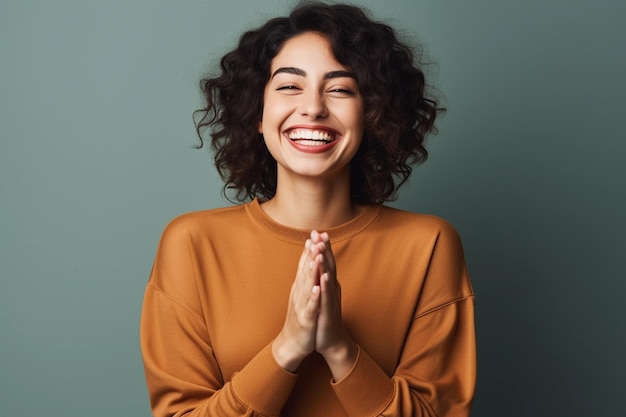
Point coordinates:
[(311, 137)]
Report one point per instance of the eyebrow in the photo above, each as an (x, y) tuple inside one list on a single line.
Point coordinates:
[(302, 73)]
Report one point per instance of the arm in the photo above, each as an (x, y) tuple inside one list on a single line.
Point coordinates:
[(436, 372), (182, 372), (435, 376)]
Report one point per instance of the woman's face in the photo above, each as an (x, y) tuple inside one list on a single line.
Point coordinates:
[(312, 110)]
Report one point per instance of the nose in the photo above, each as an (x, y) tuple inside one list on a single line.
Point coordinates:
[(313, 105)]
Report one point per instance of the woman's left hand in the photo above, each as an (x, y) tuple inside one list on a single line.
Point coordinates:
[(332, 340)]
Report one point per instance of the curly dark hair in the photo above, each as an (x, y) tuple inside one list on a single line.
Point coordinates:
[(398, 112)]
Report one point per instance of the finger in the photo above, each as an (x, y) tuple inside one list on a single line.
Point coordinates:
[(322, 268), (313, 305), (317, 245), (324, 290), (308, 258), (329, 257), (328, 302), (331, 289), (306, 277)]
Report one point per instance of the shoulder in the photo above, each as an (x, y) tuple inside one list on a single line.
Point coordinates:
[(201, 222), (426, 234), (437, 242), (182, 245), (406, 222)]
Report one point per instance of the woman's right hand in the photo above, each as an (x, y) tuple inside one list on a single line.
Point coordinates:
[(296, 340)]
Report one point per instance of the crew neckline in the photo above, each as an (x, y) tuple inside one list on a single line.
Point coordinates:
[(291, 234)]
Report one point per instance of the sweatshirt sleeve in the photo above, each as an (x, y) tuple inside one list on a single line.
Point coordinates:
[(182, 373), (436, 373)]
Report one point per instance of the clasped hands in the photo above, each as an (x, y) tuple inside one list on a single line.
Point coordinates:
[(314, 321)]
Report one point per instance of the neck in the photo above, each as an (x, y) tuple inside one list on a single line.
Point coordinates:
[(306, 203)]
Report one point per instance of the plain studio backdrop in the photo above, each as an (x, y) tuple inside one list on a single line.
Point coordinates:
[(97, 156)]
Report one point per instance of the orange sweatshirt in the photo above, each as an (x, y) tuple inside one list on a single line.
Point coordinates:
[(218, 294)]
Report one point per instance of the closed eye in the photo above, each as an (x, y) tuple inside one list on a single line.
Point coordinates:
[(289, 87), (342, 92)]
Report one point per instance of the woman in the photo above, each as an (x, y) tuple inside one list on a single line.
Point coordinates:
[(312, 299)]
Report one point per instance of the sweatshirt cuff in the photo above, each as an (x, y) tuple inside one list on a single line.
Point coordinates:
[(263, 384), (366, 390)]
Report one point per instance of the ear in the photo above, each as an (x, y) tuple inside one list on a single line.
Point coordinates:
[(260, 127)]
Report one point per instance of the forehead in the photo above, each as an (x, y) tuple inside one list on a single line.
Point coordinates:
[(306, 49)]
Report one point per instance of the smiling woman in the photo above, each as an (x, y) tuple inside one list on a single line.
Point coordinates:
[(312, 298), (312, 119), (398, 113)]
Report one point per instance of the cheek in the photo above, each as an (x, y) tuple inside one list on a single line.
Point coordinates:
[(359, 122), (264, 123), (273, 114), (358, 115)]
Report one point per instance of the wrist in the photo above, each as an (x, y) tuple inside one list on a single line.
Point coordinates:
[(341, 358), (285, 356)]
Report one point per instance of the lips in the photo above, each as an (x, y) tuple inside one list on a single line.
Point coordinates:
[(311, 136), (312, 139)]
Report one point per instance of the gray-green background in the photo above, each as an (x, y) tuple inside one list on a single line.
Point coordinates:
[(96, 157)]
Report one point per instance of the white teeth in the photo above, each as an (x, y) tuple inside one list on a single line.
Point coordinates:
[(311, 142), (312, 135)]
